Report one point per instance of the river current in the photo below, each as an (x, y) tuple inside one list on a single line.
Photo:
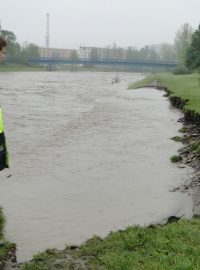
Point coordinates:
[(87, 156)]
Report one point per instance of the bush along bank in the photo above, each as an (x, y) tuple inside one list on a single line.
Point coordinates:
[(7, 250)]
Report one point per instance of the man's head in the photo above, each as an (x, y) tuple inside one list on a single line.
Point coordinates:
[(2, 46)]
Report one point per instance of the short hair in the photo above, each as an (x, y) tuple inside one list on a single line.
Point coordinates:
[(2, 43)]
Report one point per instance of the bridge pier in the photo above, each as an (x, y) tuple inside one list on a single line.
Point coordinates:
[(51, 67)]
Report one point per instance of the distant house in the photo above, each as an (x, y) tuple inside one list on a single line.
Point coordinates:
[(85, 52), (57, 53), (102, 53)]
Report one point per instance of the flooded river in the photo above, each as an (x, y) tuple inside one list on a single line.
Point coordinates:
[(87, 156)]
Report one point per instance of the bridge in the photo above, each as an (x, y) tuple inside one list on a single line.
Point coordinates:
[(103, 62)]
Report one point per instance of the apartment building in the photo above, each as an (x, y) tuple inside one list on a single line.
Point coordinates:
[(102, 53), (57, 53)]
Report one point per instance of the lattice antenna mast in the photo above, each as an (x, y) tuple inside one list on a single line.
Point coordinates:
[(47, 31)]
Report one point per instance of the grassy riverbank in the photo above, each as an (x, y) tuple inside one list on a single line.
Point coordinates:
[(4, 245), (184, 86), (69, 68), (17, 67), (173, 246)]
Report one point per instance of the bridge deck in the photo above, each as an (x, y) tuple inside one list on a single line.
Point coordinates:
[(84, 61)]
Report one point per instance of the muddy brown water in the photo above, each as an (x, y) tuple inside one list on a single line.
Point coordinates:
[(87, 157)]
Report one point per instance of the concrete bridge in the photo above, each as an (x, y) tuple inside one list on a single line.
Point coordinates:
[(103, 62)]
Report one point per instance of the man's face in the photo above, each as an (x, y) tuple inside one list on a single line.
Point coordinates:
[(1, 55)]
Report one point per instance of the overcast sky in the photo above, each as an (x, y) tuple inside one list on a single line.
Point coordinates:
[(98, 22)]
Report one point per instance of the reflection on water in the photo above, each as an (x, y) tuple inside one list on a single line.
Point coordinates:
[(87, 156)]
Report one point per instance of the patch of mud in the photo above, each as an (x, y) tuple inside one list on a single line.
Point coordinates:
[(10, 260), (68, 259)]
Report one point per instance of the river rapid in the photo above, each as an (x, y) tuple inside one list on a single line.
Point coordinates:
[(87, 157)]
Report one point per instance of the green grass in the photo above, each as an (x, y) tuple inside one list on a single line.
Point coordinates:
[(182, 130), (183, 86), (5, 248), (175, 246), (177, 139), (195, 146), (18, 67), (68, 68), (2, 223), (197, 150), (176, 158), (44, 261), (150, 80)]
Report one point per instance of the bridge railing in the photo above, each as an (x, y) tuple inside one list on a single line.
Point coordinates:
[(101, 60), (53, 60)]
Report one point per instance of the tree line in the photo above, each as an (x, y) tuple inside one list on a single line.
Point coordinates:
[(160, 52), (18, 53), (185, 49), (192, 59)]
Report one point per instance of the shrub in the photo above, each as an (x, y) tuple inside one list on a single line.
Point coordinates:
[(176, 158), (181, 70)]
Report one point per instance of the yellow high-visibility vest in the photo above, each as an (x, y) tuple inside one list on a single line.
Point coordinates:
[(1, 121)]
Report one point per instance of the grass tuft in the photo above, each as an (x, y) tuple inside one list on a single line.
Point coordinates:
[(194, 146), (177, 139), (2, 222), (4, 249), (182, 130), (176, 158)]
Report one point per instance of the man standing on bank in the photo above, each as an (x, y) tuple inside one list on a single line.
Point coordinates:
[(3, 149), (2, 46)]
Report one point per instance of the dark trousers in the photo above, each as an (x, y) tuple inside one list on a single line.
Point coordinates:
[(3, 152)]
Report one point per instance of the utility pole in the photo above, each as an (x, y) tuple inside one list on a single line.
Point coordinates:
[(48, 54), (47, 31), (47, 35)]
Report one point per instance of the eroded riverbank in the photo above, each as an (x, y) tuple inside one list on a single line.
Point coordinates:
[(183, 93)]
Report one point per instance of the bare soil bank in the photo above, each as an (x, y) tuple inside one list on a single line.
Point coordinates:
[(190, 152), (10, 259)]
